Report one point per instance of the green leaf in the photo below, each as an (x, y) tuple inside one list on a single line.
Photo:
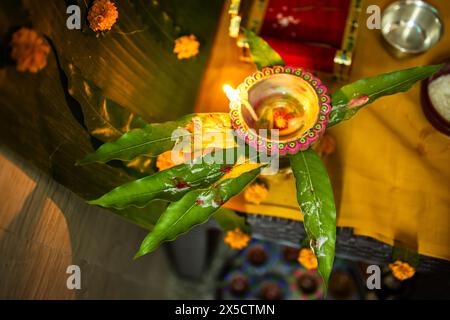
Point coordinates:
[(230, 220), (153, 139), (405, 254), (143, 217), (105, 119), (315, 197), (194, 208), (170, 184), (262, 53), (350, 98)]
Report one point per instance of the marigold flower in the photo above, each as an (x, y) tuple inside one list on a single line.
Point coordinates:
[(102, 15), (29, 50), (237, 239), (281, 119), (256, 193), (186, 47), (326, 145), (402, 270), (167, 160), (307, 258)]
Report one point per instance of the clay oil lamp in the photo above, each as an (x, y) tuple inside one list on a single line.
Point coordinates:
[(279, 109)]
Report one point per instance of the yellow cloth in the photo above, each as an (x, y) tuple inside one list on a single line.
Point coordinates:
[(391, 169)]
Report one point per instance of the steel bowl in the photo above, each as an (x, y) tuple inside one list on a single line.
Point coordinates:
[(411, 27)]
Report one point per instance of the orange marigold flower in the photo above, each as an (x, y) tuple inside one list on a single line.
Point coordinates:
[(186, 47), (281, 119), (402, 270), (325, 146), (102, 15), (29, 50), (168, 160), (307, 258), (237, 239), (256, 193)]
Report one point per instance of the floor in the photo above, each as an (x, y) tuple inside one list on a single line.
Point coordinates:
[(44, 228)]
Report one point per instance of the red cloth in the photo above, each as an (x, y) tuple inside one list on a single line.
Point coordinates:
[(308, 56), (306, 33)]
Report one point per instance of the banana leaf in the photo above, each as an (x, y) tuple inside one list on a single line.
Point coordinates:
[(133, 63), (196, 207), (104, 118), (315, 197)]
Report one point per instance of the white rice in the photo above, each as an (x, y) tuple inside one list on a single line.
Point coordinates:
[(439, 92)]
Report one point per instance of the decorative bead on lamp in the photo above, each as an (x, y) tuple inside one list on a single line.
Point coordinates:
[(290, 100)]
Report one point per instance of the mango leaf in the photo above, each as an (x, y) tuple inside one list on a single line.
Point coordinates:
[(170, 184), (194, 208), (315, 197), (405, 254), (146, 217), (262, 53), (152, 140), (229, 220), (350, 98)]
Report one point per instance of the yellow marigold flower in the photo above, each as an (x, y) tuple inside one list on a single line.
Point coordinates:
[(102, 15), (237, 239), (402, 270), (167, 160), (186, 47), (256, 193), (307, 258), (29, 50)]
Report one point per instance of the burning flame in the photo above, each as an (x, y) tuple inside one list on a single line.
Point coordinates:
[(232, 94)]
